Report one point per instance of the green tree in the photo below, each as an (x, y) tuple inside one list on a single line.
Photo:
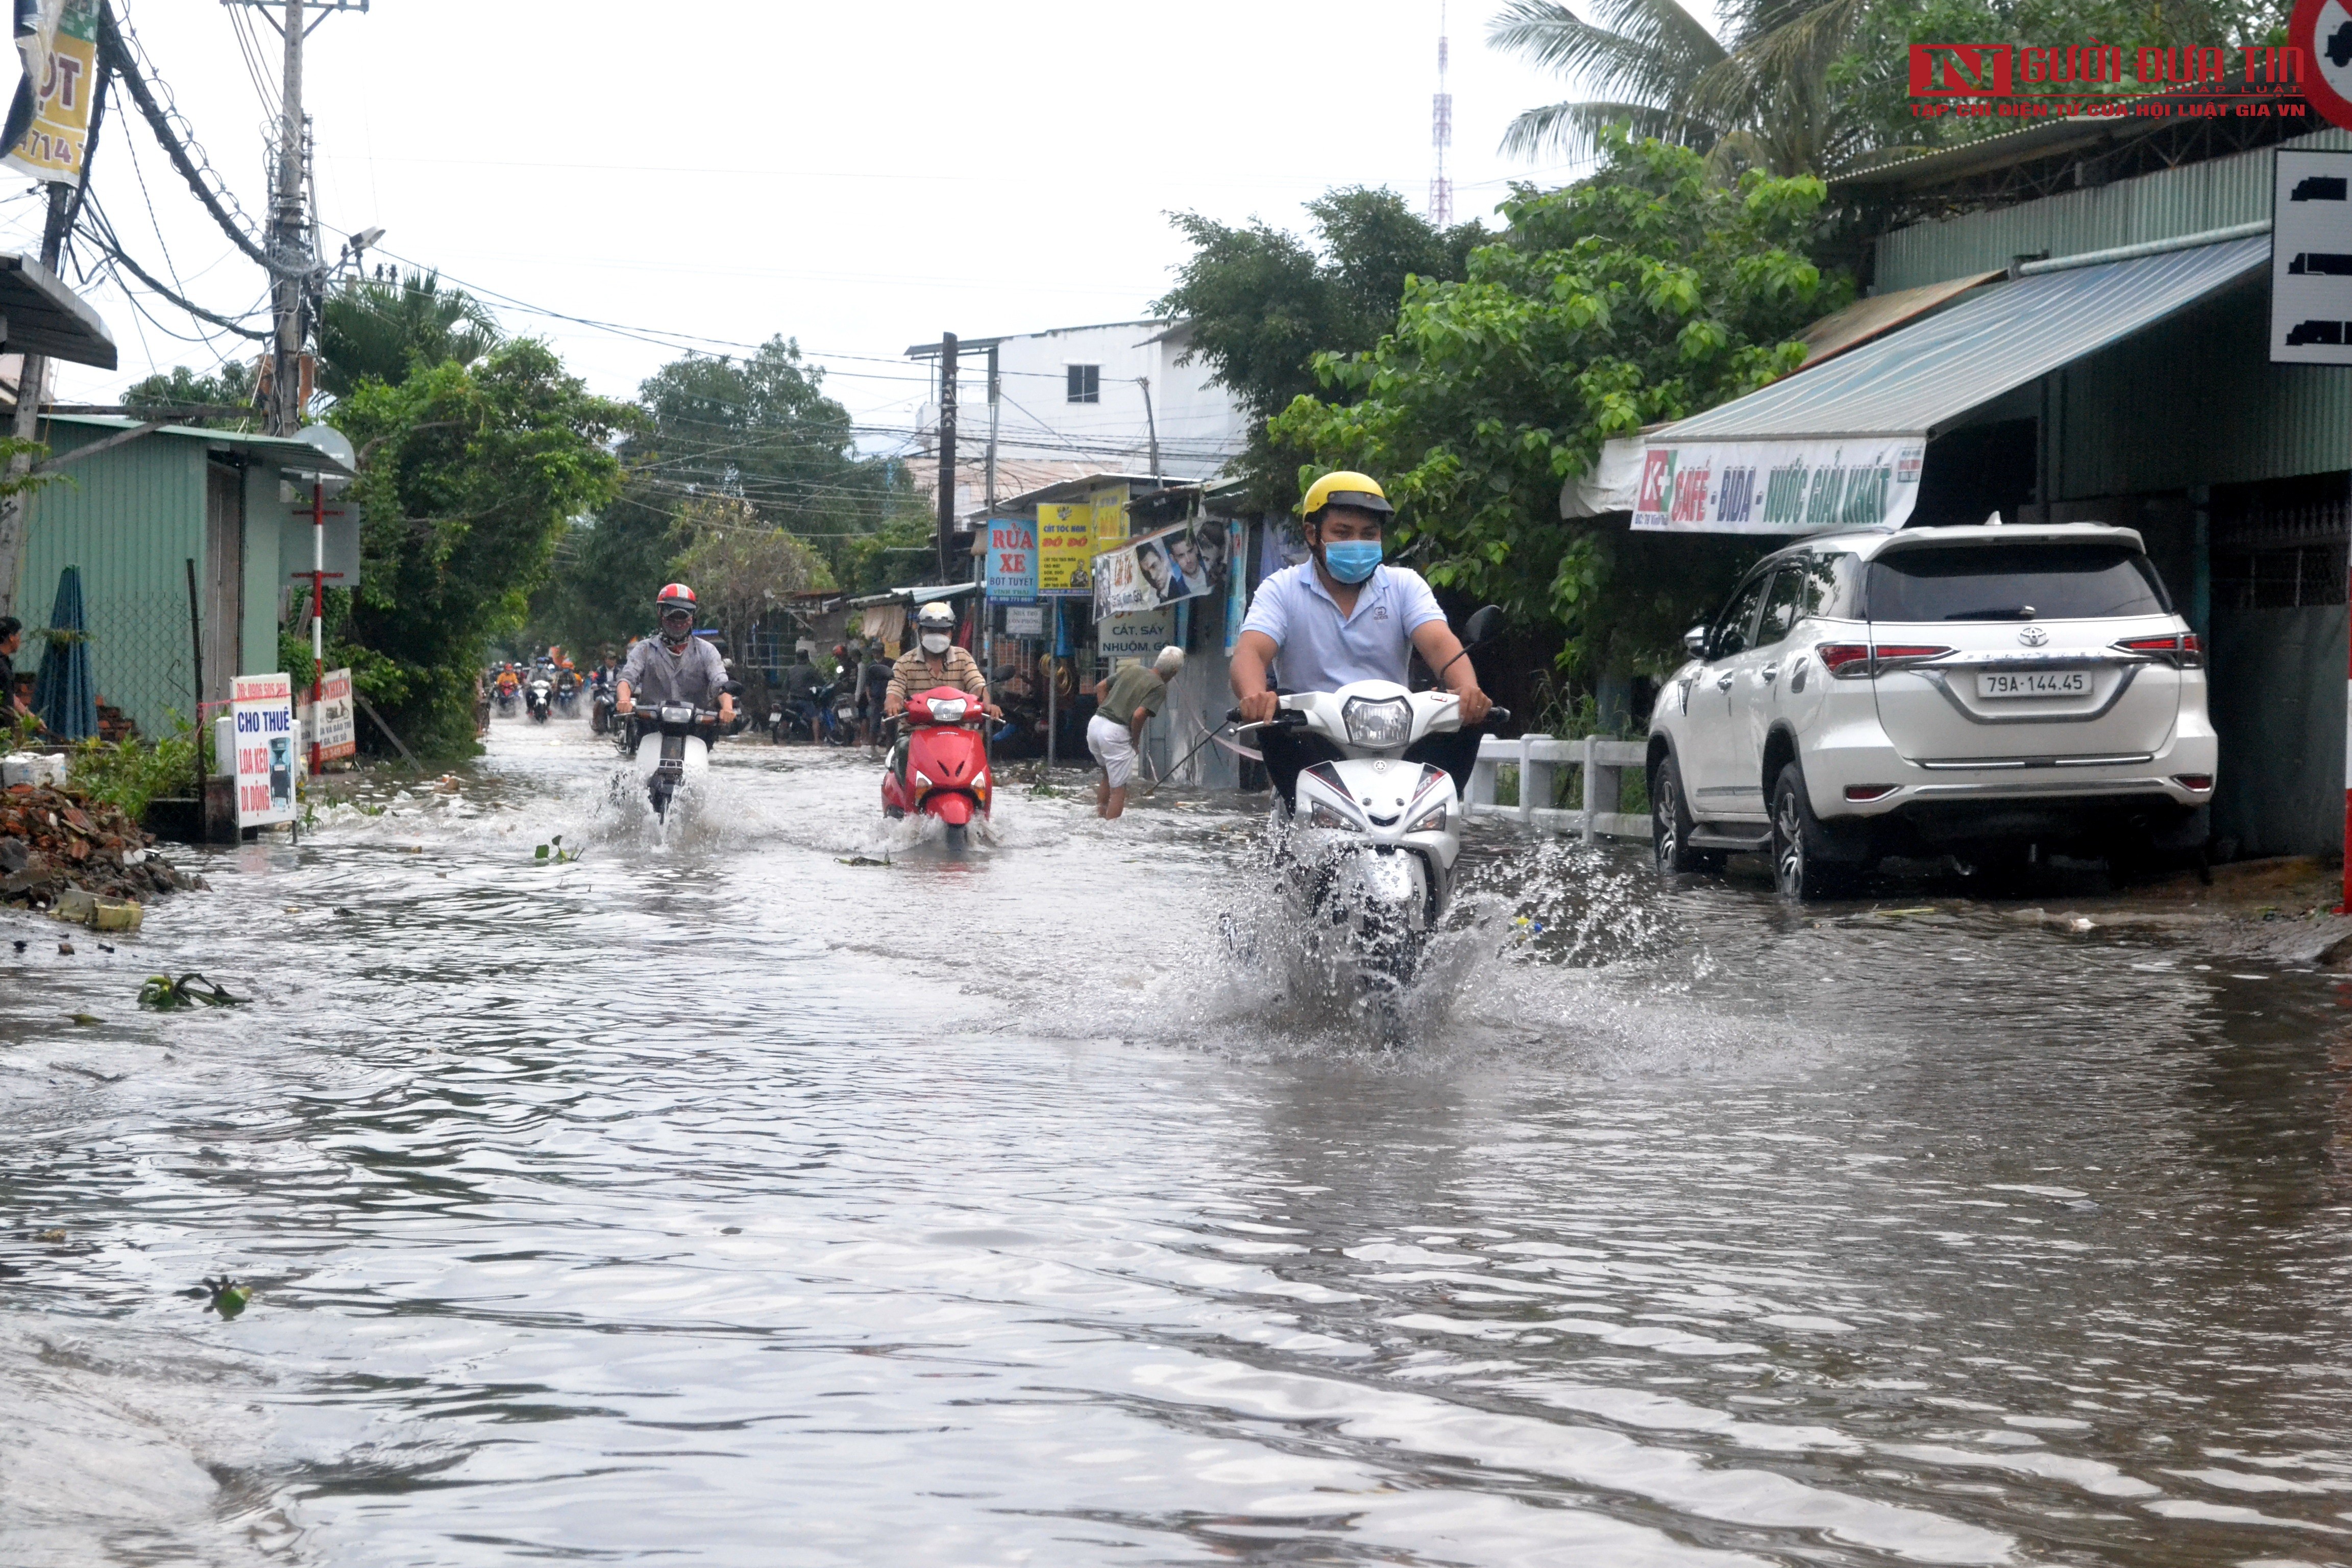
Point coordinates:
[(469, 475), (1259, 302), (186, 398), (1646, 294), (387, 328), (742, 569), (760, 429)]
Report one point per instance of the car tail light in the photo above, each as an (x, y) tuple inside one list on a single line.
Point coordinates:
[(2180, 649), (2200, 782), (1868, 791), (1905, 652), (1844, 659)]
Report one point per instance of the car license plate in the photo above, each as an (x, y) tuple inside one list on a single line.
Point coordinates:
[(2035, 683)]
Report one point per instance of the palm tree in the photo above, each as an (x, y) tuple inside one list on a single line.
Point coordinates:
[(383, 328), (1764, 101)]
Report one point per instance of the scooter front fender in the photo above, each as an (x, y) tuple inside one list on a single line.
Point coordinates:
[(1387, 887)]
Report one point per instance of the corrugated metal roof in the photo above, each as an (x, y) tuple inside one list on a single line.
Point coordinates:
[(299, 456), (1913, 380), (1863, 320)]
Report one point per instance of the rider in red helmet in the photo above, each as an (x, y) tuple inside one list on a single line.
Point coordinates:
[(676, 666)]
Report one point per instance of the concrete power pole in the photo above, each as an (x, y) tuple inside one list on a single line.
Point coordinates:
[(289, 242), (947, 456)]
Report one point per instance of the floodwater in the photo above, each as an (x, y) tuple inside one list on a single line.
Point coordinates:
[(724, 1201)]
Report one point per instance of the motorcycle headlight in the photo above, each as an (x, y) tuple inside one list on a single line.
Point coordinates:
[(677, 713), (1322, 815), (1431, 821), (1380, 721), (948, 710)]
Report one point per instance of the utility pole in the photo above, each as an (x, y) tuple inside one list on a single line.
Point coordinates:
[(947, 455), (1149, 422), (290, 245), (32, 374)]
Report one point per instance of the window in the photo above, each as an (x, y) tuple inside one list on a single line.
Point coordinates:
[(1739, 617), (1086, 384), (2013, 583)]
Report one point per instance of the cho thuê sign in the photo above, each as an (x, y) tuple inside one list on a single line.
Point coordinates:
[(262, 708), (1779, 487)]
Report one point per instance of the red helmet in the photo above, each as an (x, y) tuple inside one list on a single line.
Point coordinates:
[(675, 597)]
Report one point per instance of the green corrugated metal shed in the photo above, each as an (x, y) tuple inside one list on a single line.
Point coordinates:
[(131, 518), (2253, 420)]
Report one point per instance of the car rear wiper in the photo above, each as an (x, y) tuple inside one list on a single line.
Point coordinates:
[(2004, 613)]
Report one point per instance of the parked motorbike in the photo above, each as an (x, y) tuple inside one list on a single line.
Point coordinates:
[(540, 695), (945, 770), (1368, 844), (673, 745)]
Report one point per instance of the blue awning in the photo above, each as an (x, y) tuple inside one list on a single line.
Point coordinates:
[(1840, 444)]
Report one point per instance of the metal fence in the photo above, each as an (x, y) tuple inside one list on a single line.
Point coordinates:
[(141, 656), (1537, 762)]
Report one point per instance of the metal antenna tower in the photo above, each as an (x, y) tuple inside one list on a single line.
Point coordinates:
[(1440, 135)]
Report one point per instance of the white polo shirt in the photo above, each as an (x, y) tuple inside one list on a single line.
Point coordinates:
[(1318, 649)]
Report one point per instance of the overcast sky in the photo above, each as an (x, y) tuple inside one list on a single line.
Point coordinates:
[(858, 179)]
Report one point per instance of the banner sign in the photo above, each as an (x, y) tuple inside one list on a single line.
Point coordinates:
[(263, 707), (1024, 620), (1066, 544), (1185, 561), (1237, 582), (1110, 517), (1012, 559), (1135, 636), (61, 63), (1779, 487), (333, 726)]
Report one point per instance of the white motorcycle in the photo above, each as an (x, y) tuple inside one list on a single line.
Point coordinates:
[(673, 748), (1368, 844)]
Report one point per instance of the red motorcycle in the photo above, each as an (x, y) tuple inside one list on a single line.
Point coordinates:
[(945, 774)]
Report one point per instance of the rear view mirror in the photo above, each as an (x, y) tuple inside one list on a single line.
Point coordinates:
[(1695, 640), (1485, 625)]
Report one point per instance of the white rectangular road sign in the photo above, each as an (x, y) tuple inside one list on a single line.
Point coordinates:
[(2311, 259)]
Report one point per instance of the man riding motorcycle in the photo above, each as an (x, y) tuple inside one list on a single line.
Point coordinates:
[(676, 666), (934, 660), (1342, 616)]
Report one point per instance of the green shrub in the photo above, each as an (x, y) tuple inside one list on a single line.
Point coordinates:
[(129, 775)]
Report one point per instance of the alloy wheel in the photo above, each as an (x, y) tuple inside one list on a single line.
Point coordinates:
[(1788, 853), (1665, 820)]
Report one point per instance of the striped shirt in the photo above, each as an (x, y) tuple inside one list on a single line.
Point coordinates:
[(914, 673)]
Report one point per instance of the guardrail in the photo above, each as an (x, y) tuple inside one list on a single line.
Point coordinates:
[(1538, 759)]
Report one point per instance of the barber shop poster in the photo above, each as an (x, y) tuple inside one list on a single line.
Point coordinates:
[(1187, 561)]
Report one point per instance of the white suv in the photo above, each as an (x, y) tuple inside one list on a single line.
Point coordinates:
[(1974, 691)]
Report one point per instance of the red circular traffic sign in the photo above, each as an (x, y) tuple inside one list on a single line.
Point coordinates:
[(2317, 28)]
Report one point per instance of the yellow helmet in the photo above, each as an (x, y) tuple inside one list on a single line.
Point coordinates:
[(1347, 489)]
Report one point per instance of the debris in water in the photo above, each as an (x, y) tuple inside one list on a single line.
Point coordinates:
[(21, 944), (65, 950), (85, 1019), (553, 853), (161, 994), (862, 860), (106, 947), (226, 1296), (52, 1236), (88, 1072), (1897, 914)]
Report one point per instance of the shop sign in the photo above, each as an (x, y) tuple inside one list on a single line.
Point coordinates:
[(1186, 562), (1779, 487), (1135, 636), (1110, 517), (262, 707), (1065, 544), (1012, 559), (60, 57), (1024, 620), (334, 728)]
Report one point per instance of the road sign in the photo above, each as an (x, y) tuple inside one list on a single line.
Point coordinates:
[(2321, 29), (2311, 259)]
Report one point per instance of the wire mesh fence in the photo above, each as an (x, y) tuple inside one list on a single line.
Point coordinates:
[(142, 658)]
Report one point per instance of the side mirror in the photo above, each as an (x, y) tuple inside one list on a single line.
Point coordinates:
[(1695, 640), (1484, 626)]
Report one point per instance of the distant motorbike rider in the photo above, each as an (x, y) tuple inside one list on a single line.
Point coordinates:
[(935, 660), (873, 693), (1342, 616), (676, 666), (800, 685)]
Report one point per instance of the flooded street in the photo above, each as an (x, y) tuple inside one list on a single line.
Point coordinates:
[(726, 1201)]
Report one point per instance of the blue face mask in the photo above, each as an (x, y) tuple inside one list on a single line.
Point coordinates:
[(1351, 559)]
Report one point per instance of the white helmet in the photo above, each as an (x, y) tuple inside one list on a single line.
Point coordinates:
[(935, 616)]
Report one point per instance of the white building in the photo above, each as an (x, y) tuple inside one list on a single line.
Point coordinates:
[(1101, 399)]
